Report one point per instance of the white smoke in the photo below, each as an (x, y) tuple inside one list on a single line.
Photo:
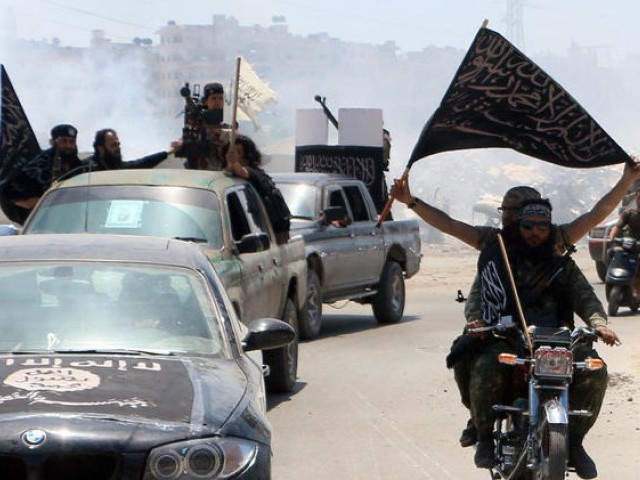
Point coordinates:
[(90, 89), (114, 88)]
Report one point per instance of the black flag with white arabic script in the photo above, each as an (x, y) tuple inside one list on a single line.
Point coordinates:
[(500, 98), (18, 144)]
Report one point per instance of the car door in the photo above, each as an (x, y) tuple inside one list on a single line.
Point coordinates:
[(251, 264), (368, 240), (338, 258), (261, 271)]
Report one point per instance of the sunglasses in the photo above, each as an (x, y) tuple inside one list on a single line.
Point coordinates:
[(529, 225)]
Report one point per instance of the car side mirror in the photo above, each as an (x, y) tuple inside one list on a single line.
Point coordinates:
[(267, 333), (254, 242)]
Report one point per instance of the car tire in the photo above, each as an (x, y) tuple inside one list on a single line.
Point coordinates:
[(311, 320), (283, 362), (601, 270), (388, 303)]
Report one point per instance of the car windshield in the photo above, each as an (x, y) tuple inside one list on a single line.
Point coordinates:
[(107, 306), (300, 200), (160, 211)]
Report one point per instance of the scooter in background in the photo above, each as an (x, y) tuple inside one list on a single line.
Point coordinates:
[(621, 274)]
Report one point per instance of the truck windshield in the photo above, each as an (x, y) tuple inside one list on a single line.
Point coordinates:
[(160, 211), (300, 200)]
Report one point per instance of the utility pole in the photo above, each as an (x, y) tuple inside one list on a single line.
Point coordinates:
[(515, 25)]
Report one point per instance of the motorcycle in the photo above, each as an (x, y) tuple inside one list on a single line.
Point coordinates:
[(531, 435), (620, 276)]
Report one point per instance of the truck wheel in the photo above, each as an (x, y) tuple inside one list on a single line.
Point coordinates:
[(312, 314), (601, 270), (388, 304), (615, 297), (283, 362)]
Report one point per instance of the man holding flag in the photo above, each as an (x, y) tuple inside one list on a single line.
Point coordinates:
[(500, 98)]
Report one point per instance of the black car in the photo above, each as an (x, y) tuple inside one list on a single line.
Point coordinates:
[(121, 357)]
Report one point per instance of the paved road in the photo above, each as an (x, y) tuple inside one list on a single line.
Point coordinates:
[(376, 402)]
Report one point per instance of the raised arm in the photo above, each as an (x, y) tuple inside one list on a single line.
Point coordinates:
[(579, 227), (435, 217)]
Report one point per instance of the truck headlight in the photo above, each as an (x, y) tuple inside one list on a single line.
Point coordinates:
[(202, 459), (557, 362)]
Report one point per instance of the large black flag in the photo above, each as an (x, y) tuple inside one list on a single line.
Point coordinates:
[(500, 98), (18, 143)]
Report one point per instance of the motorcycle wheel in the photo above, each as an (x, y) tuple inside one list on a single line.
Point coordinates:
[(601, 270), (553, 451), (615, 297)]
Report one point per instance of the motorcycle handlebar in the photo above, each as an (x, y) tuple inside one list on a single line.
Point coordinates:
[(579, 334)]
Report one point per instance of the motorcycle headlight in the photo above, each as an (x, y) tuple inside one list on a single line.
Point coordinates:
[(202, 459), (557, 362)]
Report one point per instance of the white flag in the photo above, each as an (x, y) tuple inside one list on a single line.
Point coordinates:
[(253, 93)]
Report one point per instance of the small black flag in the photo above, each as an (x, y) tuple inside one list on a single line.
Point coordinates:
[(500, 98), (17, 144)]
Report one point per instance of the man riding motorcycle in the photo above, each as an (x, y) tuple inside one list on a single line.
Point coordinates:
[(630, 218), (551, 288)]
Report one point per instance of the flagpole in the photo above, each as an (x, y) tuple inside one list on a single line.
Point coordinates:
[(387, 207), (523, 322), (234, 110)]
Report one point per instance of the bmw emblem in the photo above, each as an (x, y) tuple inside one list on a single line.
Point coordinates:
[(34, 438)]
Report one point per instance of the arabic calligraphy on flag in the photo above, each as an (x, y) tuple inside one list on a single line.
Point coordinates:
[(500, 98), (253, 93), (18, 144), (16, 135)]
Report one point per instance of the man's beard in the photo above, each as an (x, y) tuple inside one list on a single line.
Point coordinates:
[(68, 154), (111, 161), (540, 252), (69, 157)]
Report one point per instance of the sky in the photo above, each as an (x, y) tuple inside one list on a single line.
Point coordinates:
[(548, 25)]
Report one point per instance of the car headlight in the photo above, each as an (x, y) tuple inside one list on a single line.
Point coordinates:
[(553, 362), (202, 459)]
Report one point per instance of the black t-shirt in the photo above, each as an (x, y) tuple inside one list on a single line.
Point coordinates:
[(277, 209), (631, 219)]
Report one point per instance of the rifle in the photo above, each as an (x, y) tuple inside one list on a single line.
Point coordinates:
[(193, 133), (325, 109)]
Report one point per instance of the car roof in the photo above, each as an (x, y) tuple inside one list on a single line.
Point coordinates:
[(103, 247), (212, 180), (312, 178)]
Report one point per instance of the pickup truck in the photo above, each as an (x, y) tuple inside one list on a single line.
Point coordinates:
[(221, 212), (348, 256)]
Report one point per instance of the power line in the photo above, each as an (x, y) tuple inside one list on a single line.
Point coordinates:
[(102, 17)]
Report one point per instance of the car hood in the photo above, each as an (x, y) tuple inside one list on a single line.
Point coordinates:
[(138, 393)]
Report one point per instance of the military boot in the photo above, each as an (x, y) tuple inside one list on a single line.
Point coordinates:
[(484, 453), (580, 460)]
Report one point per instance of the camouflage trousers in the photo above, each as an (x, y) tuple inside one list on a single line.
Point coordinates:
[(484, 382)]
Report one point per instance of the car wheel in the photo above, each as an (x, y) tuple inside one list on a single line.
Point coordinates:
[(601, 270), (283, 362), (388, 303), (311, 321)]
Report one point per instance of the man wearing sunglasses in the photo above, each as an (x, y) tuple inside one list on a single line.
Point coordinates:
[(551, 288), (480, 236)]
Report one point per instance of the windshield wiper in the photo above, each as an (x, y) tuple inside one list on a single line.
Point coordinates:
[(192, 239), (116, 351)]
